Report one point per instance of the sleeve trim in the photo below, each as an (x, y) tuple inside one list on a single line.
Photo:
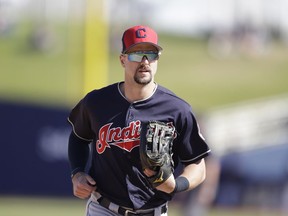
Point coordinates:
[(196, 158), (73, 128)]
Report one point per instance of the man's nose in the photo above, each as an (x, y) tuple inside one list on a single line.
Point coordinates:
[(145, 60)]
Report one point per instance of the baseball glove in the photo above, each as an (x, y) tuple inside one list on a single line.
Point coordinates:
[(156, 150)]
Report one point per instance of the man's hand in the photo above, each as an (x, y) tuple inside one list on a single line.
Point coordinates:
[(83, 185)]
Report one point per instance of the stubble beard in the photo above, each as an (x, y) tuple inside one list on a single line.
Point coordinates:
[(142, 80)]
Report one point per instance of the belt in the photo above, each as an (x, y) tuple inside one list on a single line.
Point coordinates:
[(106, 203)]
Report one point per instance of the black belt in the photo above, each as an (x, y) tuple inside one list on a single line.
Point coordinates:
[(129, 212)]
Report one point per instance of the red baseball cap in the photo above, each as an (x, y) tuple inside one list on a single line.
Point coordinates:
[(139, 34)]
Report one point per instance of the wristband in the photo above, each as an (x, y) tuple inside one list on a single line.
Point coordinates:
[(181, 184)]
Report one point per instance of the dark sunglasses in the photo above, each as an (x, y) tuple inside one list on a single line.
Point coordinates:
[(138, 56)]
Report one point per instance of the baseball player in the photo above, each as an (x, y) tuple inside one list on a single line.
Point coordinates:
[(110, 121)]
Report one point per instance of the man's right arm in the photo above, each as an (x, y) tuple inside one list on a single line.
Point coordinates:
[(78, 154)]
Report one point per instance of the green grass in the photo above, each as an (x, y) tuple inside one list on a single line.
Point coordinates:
[(185, 67), (49, 78), (27, 206), (35, 206)]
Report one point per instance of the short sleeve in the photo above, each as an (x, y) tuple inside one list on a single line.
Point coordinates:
[(191, 145), (80, 121)]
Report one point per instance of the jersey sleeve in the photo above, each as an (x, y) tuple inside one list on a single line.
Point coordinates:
[(191, 145), (80, 121)]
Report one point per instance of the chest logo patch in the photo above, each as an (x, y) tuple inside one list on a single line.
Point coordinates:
[(126, 138)]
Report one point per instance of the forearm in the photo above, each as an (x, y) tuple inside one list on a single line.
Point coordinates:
[(195, 173), (78, 153)]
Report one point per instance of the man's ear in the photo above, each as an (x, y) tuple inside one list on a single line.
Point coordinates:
[(121, 57)]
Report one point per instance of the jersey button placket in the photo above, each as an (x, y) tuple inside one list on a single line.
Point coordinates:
[(131, 116)]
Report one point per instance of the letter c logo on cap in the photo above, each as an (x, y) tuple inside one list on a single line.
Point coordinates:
[(139, 33)]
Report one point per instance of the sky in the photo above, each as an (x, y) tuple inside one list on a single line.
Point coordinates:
[(190, 16), (183, 16)]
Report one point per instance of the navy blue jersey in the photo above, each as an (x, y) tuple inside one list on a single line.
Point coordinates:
[(113, 126)]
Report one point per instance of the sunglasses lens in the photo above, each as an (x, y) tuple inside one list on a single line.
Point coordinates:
[(135, 57), (138, 56)]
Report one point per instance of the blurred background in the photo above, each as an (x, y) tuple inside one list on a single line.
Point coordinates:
[(227, 58)]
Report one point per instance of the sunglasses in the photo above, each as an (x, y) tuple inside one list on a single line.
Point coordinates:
[(138, 56)]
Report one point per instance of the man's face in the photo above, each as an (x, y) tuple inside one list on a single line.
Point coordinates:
[(142, 72)]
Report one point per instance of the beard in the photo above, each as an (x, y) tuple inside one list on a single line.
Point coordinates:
[(143, 80)]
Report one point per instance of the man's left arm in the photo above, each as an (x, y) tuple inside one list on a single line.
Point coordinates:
[(192, 176)]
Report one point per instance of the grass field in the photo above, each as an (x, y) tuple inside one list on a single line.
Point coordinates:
[(185, 67), (29, 206)]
